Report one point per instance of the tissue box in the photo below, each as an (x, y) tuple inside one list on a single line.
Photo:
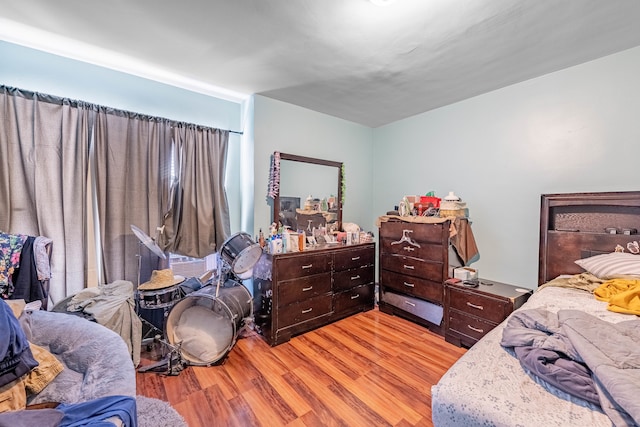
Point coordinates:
[(465, 273)]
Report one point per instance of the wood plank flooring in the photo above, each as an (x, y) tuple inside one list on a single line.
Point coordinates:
[(371, 369)]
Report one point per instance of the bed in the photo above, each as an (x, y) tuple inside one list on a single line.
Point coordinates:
[(489, 386)]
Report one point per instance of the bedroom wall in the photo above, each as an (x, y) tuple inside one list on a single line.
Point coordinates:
[(575, 130), (290, 129), (34, 70)]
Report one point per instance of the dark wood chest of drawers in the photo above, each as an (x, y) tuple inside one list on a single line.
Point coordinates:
[(312, 288), (414, 264), (472, 312)]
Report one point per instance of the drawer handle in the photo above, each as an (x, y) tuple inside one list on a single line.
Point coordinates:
[(305, 267), (478, 330), (355, 258), (307, 289), (355, 277), (410, 303), (409, 248), (479, 307), (411, 285), (409, 267), (308, 310), (355, 296)]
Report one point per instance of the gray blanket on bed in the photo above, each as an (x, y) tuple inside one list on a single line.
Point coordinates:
[(610, 351)]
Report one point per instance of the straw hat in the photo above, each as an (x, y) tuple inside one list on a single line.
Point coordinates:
[(161, 279)]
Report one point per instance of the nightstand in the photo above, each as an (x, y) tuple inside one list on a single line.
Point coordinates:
[(472, 312)]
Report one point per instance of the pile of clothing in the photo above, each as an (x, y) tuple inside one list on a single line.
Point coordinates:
[(111, 305)]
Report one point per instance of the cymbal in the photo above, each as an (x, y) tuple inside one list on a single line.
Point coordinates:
[(148, 241)]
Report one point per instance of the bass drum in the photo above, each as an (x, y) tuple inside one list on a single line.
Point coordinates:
[(205, 326)]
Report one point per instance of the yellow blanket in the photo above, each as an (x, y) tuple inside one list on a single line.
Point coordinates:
[(623, 295)]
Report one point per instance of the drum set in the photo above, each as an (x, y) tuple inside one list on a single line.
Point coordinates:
[(203, 316)]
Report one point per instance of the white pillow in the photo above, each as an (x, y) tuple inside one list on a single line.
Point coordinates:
[(613, 264)]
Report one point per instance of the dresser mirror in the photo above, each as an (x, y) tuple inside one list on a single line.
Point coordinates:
[(309, 194)]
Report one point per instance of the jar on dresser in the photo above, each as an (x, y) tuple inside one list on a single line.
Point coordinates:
[(312, 288)]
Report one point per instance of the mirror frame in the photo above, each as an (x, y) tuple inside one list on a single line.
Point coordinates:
[(312, 160)]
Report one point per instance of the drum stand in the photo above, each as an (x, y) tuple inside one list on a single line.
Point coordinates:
[(172, 364)]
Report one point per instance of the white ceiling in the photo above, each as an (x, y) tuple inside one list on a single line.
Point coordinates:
[(348, 58)]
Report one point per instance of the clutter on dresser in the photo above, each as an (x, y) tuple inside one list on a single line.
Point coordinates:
[(283, 239), (451, 206)]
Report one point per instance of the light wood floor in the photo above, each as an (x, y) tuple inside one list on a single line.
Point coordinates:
[(371, 369)]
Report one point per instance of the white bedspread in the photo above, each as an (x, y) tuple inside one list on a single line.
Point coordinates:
[(488, 386)]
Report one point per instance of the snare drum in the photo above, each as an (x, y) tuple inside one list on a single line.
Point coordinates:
[(240, 252), (205, 325), (159, 298)]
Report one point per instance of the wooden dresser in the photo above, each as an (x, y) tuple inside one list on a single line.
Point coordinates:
[(312, 288), (472, 312), (414, 263)]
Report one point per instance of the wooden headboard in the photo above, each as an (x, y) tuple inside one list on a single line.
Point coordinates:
[(578, 225)]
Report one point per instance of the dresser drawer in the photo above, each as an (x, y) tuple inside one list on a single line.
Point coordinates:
[(419, 232), (291, 267), (485, 307), (470, 326), (430, 251), (357, 297), (414, 267), (343, 280), (304, 310), (296, 290), (421, 288), (430, 312), (357, 257)]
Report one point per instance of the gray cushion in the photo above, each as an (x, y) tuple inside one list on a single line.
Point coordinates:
[(96, 359)]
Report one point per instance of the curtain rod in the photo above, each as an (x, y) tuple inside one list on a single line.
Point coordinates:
[(53, 99)]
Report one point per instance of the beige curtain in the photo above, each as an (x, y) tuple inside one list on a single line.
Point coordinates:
[(132, 173), (197, 222), (44, 144)]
